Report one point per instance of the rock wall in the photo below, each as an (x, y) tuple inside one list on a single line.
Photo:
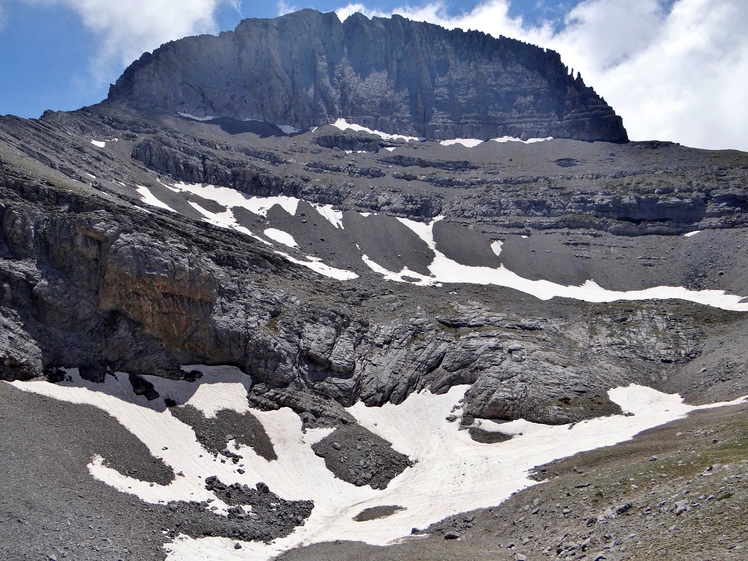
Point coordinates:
[(307, 69)]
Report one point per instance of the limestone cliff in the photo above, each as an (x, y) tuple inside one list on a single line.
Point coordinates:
[(307, 69)]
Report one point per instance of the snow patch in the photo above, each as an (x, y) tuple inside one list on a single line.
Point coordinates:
[(217, 389), (281, 237), (496, 247), (316, 265), (467, 142), (404, 275), (194, 118), (334, 217), (231, 197), (223, 219), (227, 220), (690, 234), (98, 143), (473, 142), (288, 129), (505, 139), (342, 124), (148, 198)]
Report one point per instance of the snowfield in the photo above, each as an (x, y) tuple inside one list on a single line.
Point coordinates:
[(453, 473)]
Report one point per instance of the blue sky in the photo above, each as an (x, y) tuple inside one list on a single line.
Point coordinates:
[(673, 69)]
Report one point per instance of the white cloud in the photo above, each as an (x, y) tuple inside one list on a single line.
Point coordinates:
[(125, 30), (678, 73), (489, 16), (285, 8), (350, 9)]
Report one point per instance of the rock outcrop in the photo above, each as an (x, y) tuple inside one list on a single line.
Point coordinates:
[(399, 76)]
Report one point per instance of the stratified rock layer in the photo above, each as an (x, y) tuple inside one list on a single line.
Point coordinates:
[(395, 75)]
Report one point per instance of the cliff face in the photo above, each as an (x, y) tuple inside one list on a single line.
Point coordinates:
[(307, 69)]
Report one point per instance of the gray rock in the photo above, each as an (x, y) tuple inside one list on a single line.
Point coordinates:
[(681, 507), (360, 457), (307, 69)]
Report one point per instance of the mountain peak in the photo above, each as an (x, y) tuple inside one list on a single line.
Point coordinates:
[(392, 74)]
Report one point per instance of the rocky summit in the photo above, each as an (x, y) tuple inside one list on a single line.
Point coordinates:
[(313, 281), (394, 75)]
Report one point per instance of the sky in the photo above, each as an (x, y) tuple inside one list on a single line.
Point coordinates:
[(673, 69)]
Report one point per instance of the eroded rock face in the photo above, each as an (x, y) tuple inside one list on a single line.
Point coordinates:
[(198, 296), (307, 69)]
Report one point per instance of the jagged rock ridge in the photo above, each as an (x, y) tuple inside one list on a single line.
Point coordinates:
[(395, 75)]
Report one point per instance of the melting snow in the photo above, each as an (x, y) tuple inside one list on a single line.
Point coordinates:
[(99, 143), (528, 141), (194, 118), (453, 473), (468, 142), (148, 198), (288, 129), (334, 217), (226, 219), (281, 237), (442, 269), (496, 247), (316, 265), (404, 275), (231, 197), (342, 124)]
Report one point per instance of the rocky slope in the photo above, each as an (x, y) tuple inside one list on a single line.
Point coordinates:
[(89, 277), (395, 75), (116, 256), (87, 283)]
